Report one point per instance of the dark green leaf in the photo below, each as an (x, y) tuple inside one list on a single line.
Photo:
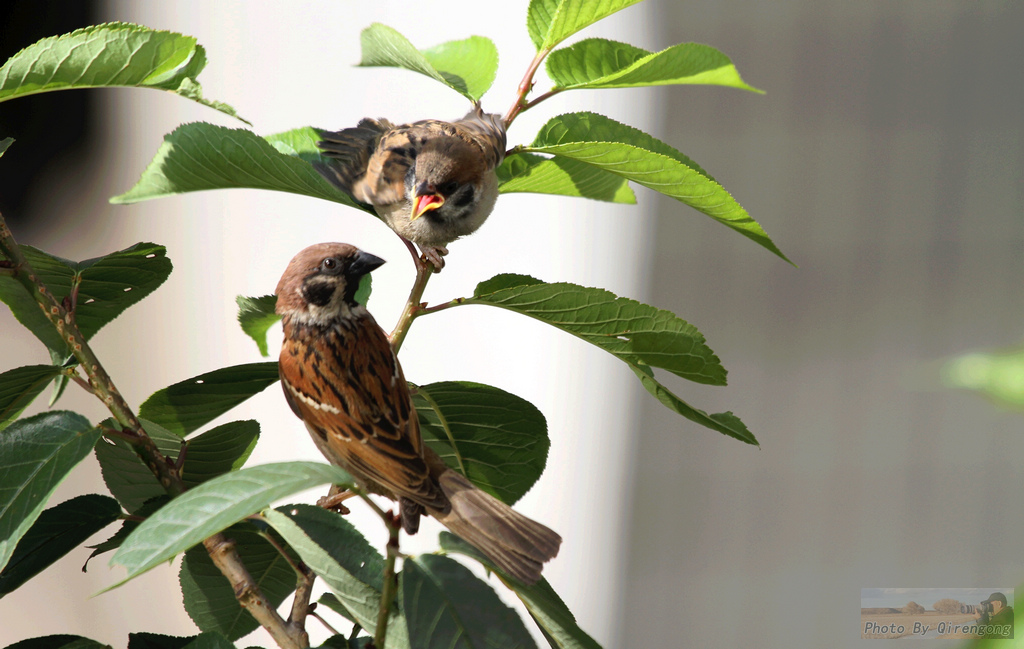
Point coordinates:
[(219, 450), (127, 476), (339, 555), (209, 640), (635, 155), (106, 287), (57, 531), (546, 607), (35, 455), (59, 642), (200, 156), (601, 63), (496, 439), (214, 506), (552, 21), (5, 144), (256, 315), (528, 172), (127, 527), (209, 598), (189, 404), (467, 66), (110, 55), (330, 601), (446, 605), (20, 386)]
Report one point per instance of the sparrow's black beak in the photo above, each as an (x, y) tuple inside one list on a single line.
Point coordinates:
[(364, 263)]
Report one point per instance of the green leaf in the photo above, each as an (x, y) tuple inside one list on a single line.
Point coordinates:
[(127, 527), (126, 475), (219, 450), (209, 598), (635, 155), (35, 455), (109, 55), (638, 334), (552, 21), (996, 374), (20, 386), (60, 641), (107, 286), (466, 66), (348, 565), (209, 640), (547, 608), (199, 156), (5, 144), (256, 315), (601, 63), (189, 404), (57, 531), (496, 439), (528, 172), (215, 505), (446, 605)]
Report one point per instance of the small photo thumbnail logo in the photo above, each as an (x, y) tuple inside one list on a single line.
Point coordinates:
[(936, 613)]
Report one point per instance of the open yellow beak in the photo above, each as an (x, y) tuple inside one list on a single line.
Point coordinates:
[(423, 203)]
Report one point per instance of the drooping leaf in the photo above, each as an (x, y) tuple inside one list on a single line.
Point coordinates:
[(109, 55), (127, 527), (339, 555), (215, 505), (638, 334), (36, 454), (209, 598), (199, 156), (5, 144), (57, 531), (528, 172), (552, 21), (126, 475), (189, 404), (601, 63), (467, 66), (446, 605), (637, 156), (59, 641), (496, 439), (546, 607), (19, 387), (107, 286), (219, 450), (256, 315)]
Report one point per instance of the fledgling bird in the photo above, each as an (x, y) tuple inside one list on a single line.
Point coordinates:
[(342, 378), (431, 181)]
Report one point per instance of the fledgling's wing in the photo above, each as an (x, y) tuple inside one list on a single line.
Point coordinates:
[(351, 150), (487, 130)]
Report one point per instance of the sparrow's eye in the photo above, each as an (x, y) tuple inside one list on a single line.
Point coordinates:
[(448, 188), (329, 265)]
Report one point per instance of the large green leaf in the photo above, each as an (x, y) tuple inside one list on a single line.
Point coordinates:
[(348, 565), (209, 598), (496, 439), (446, 605), (57, 531), (35, 455), (633, 154), (20, 386), (547, 608), (200, 156), (638, 334), (219, 450), (256, 315), (107, 286), (552, 21), (109, 55), (208, 640), (60, 641), (528, 172), (189, 404), (126, 475), (215, 505), (467, 66), (601, 63)]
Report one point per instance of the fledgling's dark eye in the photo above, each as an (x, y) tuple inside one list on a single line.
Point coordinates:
[(448, 187)]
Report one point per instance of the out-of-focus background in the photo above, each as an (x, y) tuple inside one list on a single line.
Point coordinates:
[(885, 159)]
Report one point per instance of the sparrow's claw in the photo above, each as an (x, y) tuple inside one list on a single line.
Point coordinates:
[(434, 254), (334, 499)]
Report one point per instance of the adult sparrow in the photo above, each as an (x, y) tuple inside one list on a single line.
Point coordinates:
[(342, 378), (431, 181)]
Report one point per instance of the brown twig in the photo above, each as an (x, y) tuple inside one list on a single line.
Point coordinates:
[(525, 86), (413, 305), (390, 582)]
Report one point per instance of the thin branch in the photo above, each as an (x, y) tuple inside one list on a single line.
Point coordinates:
[(525, 86), (390, 583), (330, 629), (412, 305), (547, 95)]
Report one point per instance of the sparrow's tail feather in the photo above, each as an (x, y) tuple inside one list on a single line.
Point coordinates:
[(517, 545)]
